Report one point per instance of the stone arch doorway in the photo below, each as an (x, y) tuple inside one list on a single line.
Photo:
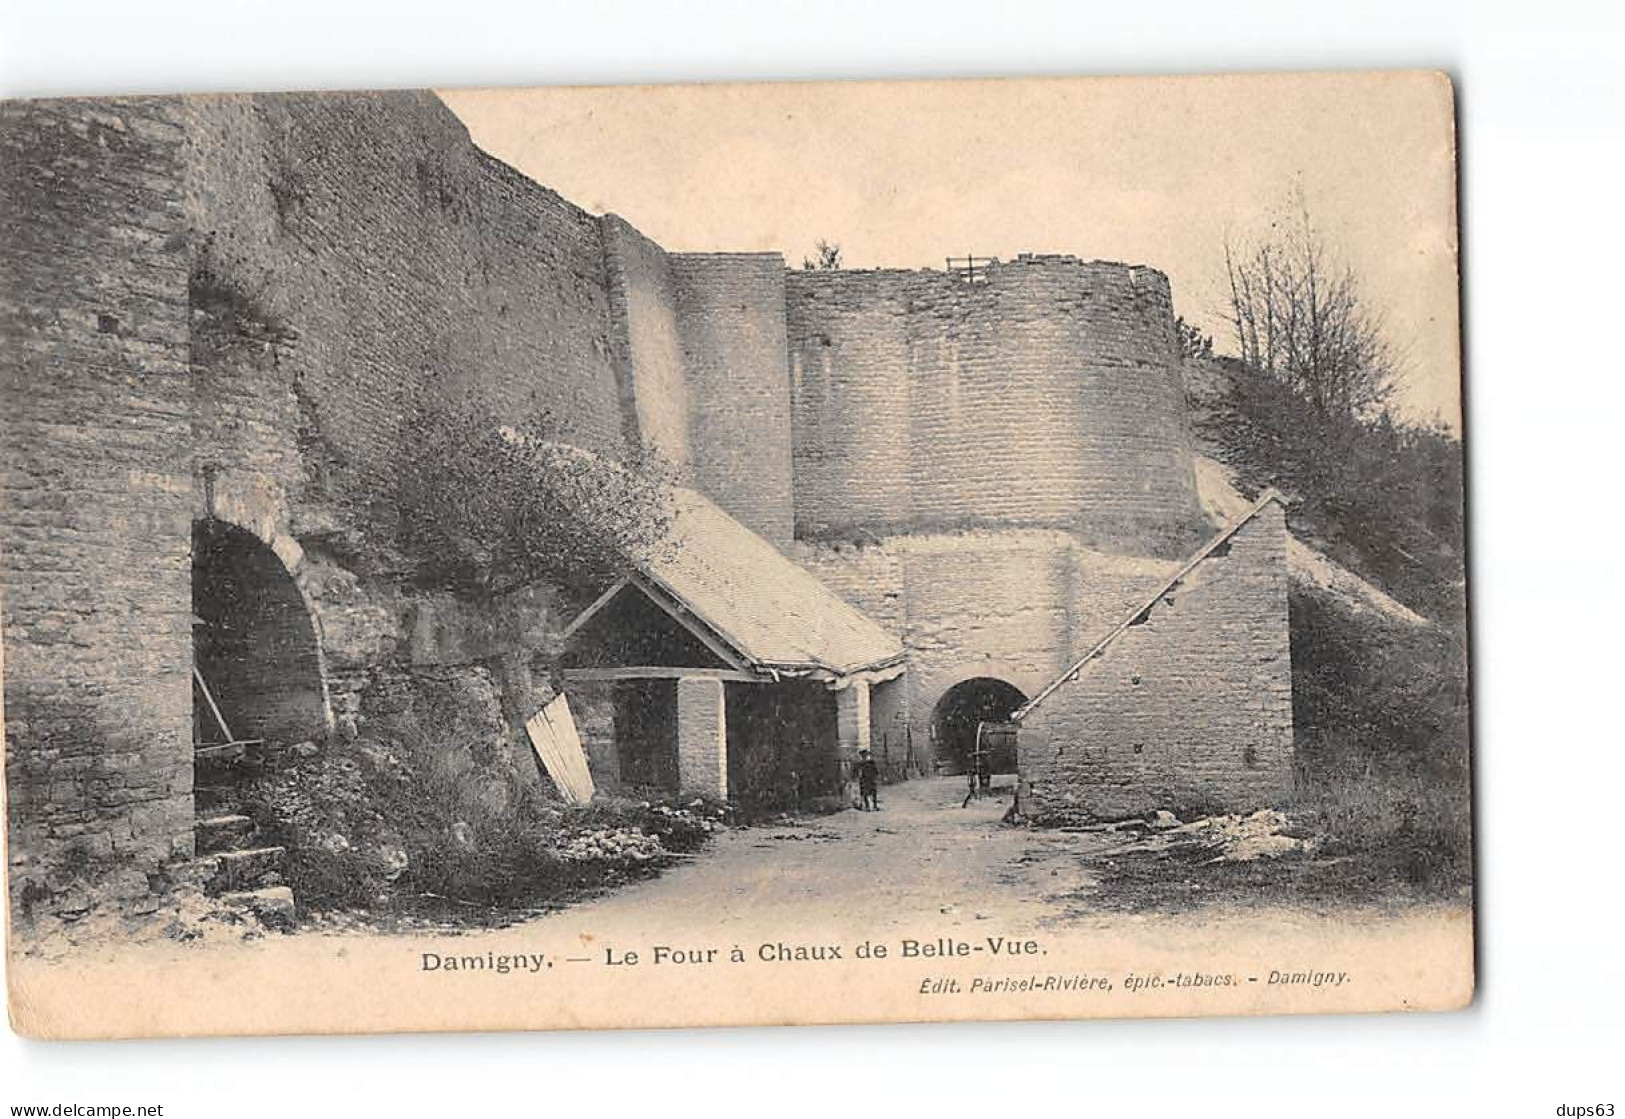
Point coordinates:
[(963, 706), (254, 643)]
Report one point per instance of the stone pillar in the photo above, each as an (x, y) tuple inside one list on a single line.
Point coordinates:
[(852, 732), (702, 738), (852, 717)]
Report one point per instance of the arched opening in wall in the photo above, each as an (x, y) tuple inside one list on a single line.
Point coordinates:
[(964, 707), (258, 666)]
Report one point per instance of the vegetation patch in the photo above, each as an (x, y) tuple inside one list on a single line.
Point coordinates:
[(375, 829)]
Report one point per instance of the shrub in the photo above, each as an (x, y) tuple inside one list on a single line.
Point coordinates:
[(1381, 720), (1381, 497), (480, 509), (375, 824)]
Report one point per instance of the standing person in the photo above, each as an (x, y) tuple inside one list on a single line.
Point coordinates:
[(868, 781), (970, 778), (980, 776)]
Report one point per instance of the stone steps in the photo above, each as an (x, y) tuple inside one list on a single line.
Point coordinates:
[(241, 870), (225, 832), (272, 906)]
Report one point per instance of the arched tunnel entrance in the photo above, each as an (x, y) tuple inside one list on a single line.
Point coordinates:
[(259, 673), (962, 707)]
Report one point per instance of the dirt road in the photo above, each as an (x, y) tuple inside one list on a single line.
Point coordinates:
[(744, 933), (921, 859)]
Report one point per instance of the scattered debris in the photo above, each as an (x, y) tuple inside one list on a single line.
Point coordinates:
[(272, 907), (613, 845), (801, 836), (1223, 839)]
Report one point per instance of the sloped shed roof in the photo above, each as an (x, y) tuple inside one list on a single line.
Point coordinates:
[(771, 613), (1148, 604)]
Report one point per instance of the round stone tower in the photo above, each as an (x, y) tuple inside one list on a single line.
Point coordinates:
[(1042, 392)]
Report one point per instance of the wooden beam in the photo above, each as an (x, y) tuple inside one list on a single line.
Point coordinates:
[(673, 607), (679, 612), (871, 675), (585, 616), (1144, 608), (213, 706), (659, 672)]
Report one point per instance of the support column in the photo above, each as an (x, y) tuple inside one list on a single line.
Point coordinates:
[(702, 738), (852, 717), (852, 733)]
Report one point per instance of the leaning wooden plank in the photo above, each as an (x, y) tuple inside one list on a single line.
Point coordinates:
[(562, 721), (553, 735), (213, 706)]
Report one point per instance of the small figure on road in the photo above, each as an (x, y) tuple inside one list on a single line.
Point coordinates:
[(979, 778), (868, 781), (970, 795)]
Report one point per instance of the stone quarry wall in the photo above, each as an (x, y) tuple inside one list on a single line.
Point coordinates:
[(1191, 710), (96, 506), (1046, 395)]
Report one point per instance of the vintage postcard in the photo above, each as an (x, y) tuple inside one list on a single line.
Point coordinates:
[(736, 554)]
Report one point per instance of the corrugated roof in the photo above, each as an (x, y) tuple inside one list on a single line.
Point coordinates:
[(775, 613)]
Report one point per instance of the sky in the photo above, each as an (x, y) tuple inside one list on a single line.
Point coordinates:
[(1154, 171)]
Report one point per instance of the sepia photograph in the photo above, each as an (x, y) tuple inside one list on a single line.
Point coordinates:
[(777, 559), (977, 541)]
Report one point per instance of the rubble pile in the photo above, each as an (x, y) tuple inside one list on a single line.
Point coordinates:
[(1265, 834), (616, 846)]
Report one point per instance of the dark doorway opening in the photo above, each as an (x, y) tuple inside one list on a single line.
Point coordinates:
[(646, 734), (259, 675), (961, 710), (782, 752)]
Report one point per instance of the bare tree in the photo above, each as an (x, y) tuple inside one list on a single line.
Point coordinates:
[(1298, 315)]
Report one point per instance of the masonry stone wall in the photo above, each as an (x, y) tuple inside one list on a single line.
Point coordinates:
[(223, 310), (1047, 394), (403, 265), (890, 736), (699, 342), (96, 504), (1016, 605), (850, 392), (1190, 710), (985, 604), (730, 311), (702, 738), (645, 340), (356, 258)]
